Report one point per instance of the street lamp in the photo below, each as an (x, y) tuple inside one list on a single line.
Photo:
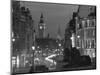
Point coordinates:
[(33, 48), (78, 36), (59, 44), (32, 69), (13, 39)]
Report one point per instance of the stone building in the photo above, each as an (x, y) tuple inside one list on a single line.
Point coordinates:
[(86, 32), (22, 35)]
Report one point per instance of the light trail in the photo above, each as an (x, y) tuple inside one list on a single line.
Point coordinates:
[(49, 58)]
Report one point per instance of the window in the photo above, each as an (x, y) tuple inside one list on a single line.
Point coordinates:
[(80, 25), (77, 26), (88, 43), (85, 23), (93, 32), (92, 24), (92, 44), (88, 23)]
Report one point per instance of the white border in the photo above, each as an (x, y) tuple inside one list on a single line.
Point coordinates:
[(5, 36)]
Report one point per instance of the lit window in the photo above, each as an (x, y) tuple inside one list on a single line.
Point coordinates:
[(89, 44), (88, 23), (78, 26), (86, 44), (93, 54), (40, 27), (83, 23)]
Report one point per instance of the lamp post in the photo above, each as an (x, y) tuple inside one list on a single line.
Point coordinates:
[(33, 50)]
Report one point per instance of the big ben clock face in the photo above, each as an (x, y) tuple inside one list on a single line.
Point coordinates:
[(52, 37)]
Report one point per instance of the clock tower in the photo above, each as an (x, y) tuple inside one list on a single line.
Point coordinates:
[(41, 27)]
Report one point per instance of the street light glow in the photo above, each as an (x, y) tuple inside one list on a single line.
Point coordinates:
[(78, 36), (17, 61), (59, 44), (13, 39), (33, 47)]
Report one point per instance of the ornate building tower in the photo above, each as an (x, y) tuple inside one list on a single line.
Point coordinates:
[(41, 27)]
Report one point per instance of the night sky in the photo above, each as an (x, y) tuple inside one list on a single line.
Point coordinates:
[(55, 15)]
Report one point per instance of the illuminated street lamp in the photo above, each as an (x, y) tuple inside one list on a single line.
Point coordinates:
[(13, 40), (73, 39), (78, 36), (59, 44), (33, 48), (32, 67)]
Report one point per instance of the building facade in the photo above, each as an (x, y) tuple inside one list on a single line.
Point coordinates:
[(22, 35), (86, 35)]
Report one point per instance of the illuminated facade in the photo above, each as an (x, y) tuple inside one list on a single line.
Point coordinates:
[(86, 36)]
